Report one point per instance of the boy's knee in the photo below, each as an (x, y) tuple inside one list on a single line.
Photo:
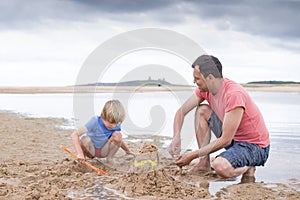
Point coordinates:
[(116, 138), (85, 140), (87, 146)]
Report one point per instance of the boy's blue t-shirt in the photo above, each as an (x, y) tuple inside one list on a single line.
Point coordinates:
[(97, 131)]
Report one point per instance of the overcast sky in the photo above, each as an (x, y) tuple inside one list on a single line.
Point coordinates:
[(45, 42)]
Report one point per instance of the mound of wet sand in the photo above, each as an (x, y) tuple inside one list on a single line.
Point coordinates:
[(42, 180), (32, 166), (159, 184), (249, 191)]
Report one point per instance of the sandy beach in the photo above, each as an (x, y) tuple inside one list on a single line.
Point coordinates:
[(34, 167)]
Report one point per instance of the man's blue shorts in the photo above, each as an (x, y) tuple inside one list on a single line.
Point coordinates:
[(239, 154)]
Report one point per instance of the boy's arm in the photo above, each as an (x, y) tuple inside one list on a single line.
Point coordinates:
[(76, 141)]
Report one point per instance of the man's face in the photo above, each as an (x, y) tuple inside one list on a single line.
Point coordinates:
[(199, 80)]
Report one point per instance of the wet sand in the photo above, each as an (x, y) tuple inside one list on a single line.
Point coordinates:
[(32, 166)]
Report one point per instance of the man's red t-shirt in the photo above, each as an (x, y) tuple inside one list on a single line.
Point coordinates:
[(231, 95)]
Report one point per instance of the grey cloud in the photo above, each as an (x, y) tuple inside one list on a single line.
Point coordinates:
[(16, 14), (268, 18), (123, 6)]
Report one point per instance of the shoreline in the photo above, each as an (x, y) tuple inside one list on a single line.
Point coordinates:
[(106, 89)]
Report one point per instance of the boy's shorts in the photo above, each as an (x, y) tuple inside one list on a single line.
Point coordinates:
[(98, 152), (238, 153)]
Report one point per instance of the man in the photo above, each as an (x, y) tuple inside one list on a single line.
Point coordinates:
[(233, 117)]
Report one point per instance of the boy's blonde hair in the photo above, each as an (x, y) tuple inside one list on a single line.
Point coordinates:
[(113, 112)]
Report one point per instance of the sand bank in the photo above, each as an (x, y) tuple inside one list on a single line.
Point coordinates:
[(32, 166), (102, 89), (87, 89)]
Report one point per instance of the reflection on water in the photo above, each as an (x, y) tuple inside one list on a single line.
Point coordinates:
[(280, 110)]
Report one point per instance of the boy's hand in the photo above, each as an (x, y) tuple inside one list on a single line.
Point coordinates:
[(80, 158)]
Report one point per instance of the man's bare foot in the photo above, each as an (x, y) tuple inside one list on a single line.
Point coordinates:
[(248, 179), (248, 176), (250, 171), (199, 167)]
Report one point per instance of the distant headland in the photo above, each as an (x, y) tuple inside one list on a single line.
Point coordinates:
[(274, 82), (149, 82), (149, 85)]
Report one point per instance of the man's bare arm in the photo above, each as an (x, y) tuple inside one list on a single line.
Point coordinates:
[(231, 123), (188, 105)]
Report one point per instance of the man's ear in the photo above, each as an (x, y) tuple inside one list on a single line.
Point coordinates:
[(210, 76)]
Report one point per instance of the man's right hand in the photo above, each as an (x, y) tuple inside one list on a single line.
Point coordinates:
[(175, 147)]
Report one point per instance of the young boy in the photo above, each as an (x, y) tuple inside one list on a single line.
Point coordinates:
[(102, 134)]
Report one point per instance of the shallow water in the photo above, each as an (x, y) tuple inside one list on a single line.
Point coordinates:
[(280, 110)]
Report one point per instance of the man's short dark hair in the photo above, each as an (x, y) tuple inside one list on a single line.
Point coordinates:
[(209, 65)]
